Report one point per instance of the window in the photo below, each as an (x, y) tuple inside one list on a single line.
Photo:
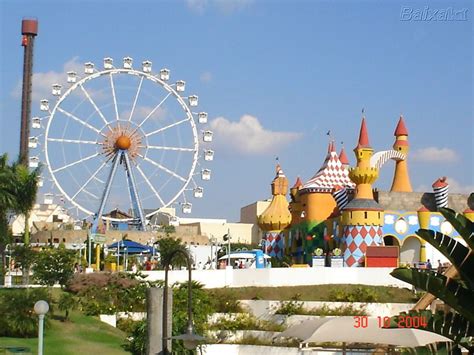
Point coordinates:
[(365, 215)]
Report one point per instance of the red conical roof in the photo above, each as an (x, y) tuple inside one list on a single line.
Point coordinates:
[(401, 129), (343, 157), (298, 183), (423, 209), (363, 136), (441, 182)]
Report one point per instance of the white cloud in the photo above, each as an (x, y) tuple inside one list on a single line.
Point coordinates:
[(223, 6), (435, 155), (454, 187), (205, 77), (247, 136), (42, 81)]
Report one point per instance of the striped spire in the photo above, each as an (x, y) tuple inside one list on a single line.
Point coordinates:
[(441, 189), (340, 195)]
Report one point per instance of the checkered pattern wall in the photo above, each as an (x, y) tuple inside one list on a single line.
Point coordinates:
[(275, 244), (356, 239)]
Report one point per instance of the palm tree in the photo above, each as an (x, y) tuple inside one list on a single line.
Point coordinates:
[(7, 203), (26, 188), (457, 293)]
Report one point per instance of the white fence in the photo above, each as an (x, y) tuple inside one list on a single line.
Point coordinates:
[(277, 277)]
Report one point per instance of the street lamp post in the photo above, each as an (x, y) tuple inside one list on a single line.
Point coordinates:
[(41, 308), (190, 339)]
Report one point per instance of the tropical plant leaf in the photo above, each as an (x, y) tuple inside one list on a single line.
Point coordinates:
[(453, 326), (463, 225), (450, 291), (459, 255)]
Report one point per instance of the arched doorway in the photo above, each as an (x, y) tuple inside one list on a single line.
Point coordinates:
[(390, 240), (410, 250)]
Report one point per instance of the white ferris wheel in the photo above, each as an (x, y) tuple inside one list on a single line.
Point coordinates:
[(124, 138)]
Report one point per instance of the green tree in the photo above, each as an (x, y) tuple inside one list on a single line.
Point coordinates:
[(54, 265), (24, 257), (457, 293), (67, 302), (167, 246), (26, 188), (7, 203)]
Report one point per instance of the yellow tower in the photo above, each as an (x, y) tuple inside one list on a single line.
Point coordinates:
[(401, 179), (362, 218), (276, 217), (363, 175)]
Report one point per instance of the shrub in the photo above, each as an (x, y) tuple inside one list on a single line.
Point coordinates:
[(357, 294), (346, 310), (225, 301), (17, 315), (245, 321), (67, 302), (292, 307)]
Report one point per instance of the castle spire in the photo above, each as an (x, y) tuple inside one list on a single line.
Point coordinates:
[(401, 178), (363, 135), (343, 157)]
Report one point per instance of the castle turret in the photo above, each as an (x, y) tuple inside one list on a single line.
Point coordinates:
[(362, 218), (401, 178), (363, 175), (343, 158), (276, 217), (441, 190)]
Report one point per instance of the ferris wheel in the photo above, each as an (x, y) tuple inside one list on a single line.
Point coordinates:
[(126, 139)]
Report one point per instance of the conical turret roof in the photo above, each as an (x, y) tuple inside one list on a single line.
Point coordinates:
[(343, 157), (330, 174), (363, 136), (401, 129)]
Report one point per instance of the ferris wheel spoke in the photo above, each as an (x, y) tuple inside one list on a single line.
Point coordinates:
[(75, 118), (89, 180), (172, 173), (112, 86), (94, 105), (168, 148), (75, 163), (150, 185), (136, 98), (166, 127), (73, 141), (153, 111), (91, 194)]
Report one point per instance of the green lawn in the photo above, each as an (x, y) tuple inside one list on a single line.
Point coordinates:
[(384, 294), (83, 335)]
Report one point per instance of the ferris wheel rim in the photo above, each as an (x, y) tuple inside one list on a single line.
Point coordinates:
[(143, 75)]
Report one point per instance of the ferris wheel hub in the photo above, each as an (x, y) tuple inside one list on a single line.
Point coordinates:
[(123, 142)]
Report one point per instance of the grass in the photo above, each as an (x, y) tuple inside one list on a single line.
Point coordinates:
[(82, 335), (385, 294)]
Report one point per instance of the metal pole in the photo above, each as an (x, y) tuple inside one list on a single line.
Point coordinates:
[(165, 298), (228, 246), (40, 334), (90, 247)]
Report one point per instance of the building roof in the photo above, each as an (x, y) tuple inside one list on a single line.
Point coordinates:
[(331, 173), (401, 129), (363, 136), (298, 183), (365, 204), (343, 157), (441, 182)]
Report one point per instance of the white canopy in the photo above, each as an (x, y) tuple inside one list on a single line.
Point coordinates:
[(342, 329), (242, 255)]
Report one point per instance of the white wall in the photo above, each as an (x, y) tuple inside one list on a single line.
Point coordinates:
[(283, 277)]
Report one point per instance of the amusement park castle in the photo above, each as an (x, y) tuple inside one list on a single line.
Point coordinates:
[(339, 211)]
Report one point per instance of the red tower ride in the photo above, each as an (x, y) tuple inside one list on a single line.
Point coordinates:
[(29, 30)]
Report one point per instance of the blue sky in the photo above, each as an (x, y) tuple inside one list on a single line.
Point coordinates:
[(274, 76)]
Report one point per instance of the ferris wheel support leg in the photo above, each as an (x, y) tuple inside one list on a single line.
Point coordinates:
[(133, 192), (105, 196)]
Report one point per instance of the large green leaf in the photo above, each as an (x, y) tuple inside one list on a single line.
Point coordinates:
[(459, 255), (450, 291), (463, 225), (453, 326)]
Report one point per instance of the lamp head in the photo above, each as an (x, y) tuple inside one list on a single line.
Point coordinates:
[(41, 307)]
